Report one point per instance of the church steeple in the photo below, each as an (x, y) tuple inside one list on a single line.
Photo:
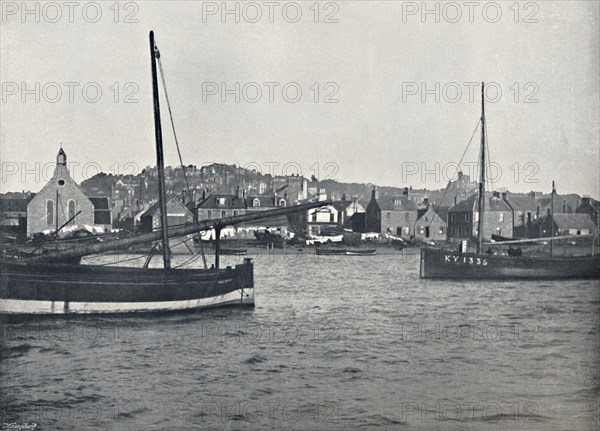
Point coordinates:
[(61, 158)]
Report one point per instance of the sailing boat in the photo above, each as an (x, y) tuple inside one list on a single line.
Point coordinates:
[(440, 263), (54, 282)]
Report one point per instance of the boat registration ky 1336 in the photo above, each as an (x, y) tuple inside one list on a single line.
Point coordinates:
[(469, 260)]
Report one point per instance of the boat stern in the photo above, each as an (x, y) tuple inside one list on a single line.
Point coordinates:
[(246, 282)]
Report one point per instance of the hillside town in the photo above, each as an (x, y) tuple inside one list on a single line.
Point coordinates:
[(106, 203)]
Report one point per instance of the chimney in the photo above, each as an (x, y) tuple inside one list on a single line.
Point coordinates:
[(585, 201), (322, 195), (503, 196), (426, 202), (405, 193), (496, 195), (374, 193), (344, 197)]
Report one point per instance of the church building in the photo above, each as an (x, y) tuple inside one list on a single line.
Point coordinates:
[(60, 200)]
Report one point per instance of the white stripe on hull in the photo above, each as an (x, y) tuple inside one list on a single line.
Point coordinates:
[(21, 306)]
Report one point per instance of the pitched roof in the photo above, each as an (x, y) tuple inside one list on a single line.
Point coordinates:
[(571, 202), (466, 205), (265, 200), (13, 205), (100, 203), (441, 213), (229, 201), (396, 203), (592, 202), (490, 203), (341, 205), (522, 203), (154, 208), (574, 221)]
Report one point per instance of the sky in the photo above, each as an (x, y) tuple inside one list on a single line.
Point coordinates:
[(400, 85)]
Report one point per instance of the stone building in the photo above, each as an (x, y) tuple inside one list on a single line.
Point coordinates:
[(59, 201), (394, 215), (177, 215), (463, 218), (431, 226)]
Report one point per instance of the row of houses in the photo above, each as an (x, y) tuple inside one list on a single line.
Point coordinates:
[(504, 216), (62, 202)]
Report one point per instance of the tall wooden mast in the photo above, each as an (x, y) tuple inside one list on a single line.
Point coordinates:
[(481, 199), (160, 164), (552, 221)]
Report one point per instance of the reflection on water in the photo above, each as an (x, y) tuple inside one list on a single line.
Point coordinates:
[(334, 343)]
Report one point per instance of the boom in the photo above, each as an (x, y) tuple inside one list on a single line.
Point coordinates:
[(77, 251)]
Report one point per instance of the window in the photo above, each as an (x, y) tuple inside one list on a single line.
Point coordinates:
[(426, 218), (388, 216), (282, 203), (49, 213), (71, 209), (501, 216), (406, 216), (452, 221), (399, 231), (256, 202), (467, 217), (314, 217), (223, 214), (209, 214), (61, 182), (235, 213), (441, 230), (331, 217)]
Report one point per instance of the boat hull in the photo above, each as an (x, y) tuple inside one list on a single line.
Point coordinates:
[(87, 289), (445, 264)]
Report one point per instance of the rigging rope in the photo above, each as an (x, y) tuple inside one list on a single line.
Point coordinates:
[(187, 185), (489, 161), (459, 163), (164, 85)]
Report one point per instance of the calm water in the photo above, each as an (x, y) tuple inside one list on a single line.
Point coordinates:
[(338, 343)]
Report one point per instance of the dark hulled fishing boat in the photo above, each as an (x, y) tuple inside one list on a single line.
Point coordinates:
[(451, 264), (436, 263), (51, 281)]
